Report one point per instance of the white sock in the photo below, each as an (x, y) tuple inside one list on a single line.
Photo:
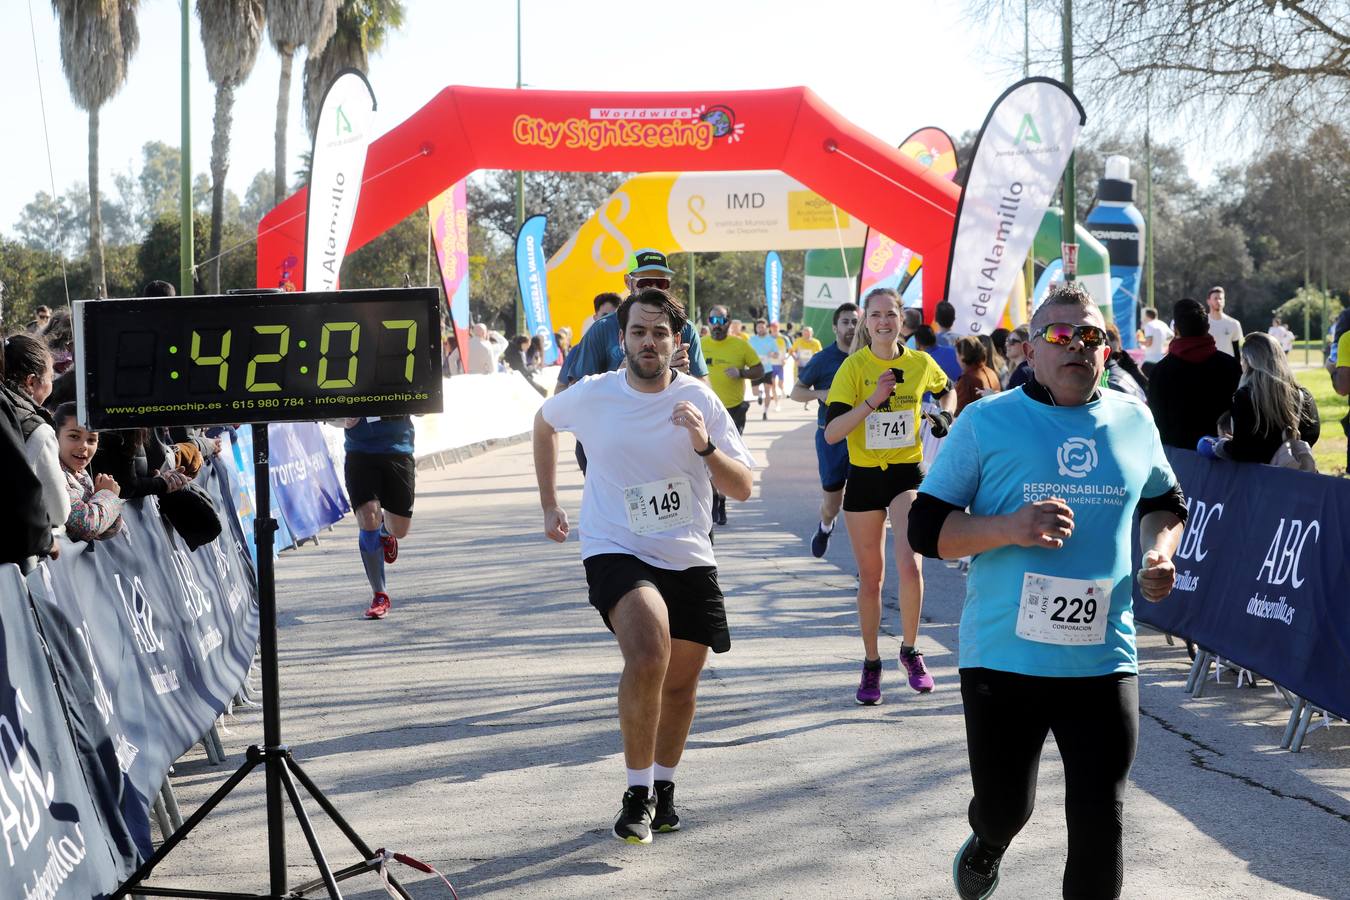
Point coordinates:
[(640, 778), (826, 528), (663, 773)]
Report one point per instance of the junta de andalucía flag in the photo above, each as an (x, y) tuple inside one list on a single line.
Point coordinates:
[(337, 163)]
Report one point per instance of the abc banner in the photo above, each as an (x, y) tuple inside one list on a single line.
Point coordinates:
[(887, 262), (449, 213), (1019, 157), (1261, 570), (530, 275), (346, 126), (773, 285)]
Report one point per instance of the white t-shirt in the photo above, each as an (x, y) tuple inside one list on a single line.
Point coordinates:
[(1160, 334), (1227, 333), (1283, 336), (631, 442)]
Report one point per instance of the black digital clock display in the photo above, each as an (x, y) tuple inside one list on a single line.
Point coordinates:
[(239, 358)]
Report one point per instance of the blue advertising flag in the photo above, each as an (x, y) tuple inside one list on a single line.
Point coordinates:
[(534, 284), (773, 284)]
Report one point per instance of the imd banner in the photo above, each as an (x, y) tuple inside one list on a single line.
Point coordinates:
[(449, 213), (773, 285), (1019, 157), (533, 284), (346, 126)]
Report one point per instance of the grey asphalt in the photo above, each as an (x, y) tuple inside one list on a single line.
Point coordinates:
[(475, 728)]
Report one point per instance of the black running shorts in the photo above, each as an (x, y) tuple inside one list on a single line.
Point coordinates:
[(737, 414), (388, 478), (872, 487), (692, 596)]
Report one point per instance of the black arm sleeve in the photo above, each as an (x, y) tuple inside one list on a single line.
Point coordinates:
[(835, 410), (1173, 501), (943, 392), (926, 517)]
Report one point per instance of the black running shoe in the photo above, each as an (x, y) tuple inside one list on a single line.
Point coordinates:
[(975, 869), (634, 824), (821, 542), (666, 819)]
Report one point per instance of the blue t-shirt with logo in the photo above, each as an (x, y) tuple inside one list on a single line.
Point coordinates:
[(818, 374), (1101, 458), (766, 345), (390, 435)]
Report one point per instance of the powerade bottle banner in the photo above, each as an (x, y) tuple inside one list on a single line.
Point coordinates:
[(1118, 224), (827, 285)]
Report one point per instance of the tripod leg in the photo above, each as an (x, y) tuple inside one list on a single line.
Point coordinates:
[(173, 840), (308, 828), (331, 811)]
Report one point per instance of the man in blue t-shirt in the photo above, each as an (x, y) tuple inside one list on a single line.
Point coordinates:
[(381, 476), (1040, 487), (813, 383)]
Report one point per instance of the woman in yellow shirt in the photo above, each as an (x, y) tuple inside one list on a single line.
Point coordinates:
[(874, 404)]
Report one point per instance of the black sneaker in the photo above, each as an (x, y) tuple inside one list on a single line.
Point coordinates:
[(634, 824), (820, 542), (975, 869), (666, 819)]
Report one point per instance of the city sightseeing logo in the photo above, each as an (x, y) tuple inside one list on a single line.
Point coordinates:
[(652, 128), (1076, 457)]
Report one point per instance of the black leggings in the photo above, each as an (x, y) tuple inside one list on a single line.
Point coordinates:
[(1095, 722)]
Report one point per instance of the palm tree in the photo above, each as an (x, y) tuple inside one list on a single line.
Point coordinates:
[(97, 41), (362, 27), (292, 24), (232, 32)]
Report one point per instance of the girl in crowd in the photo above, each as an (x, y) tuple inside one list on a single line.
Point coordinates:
[(1019, 369), (95, 503), (1269, 405), (28, 382), (874, 404), (977, 378)]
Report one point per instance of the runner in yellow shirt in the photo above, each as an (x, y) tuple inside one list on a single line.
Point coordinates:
[(730, 363), (874, 404)]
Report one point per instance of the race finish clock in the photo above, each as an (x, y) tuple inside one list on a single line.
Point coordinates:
[(235, 358)]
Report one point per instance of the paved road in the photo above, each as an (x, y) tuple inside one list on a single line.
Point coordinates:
[(475, 728)]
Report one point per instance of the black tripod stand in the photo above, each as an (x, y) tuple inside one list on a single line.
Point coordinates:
[(279, 767)]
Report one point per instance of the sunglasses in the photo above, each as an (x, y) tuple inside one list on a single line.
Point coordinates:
[(717, 320), (1064, 334), (658, 283)]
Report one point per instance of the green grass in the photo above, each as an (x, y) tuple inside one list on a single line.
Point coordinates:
[(1330, 449)]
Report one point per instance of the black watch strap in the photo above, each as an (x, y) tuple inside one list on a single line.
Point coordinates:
[(707, 451)]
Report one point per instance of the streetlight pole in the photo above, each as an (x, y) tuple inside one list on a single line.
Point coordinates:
[(520, 181), (185, 263), (1069, 233)]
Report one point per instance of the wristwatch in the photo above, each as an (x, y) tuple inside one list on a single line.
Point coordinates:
[(708, 450)]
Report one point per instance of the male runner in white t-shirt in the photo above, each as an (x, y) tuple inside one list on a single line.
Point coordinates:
[(659, 442), (1157, 335), (1226, 330)]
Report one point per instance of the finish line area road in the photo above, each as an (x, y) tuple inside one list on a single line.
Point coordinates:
[(476, 727)]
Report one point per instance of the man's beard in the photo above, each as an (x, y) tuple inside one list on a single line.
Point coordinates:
[(648, 367)]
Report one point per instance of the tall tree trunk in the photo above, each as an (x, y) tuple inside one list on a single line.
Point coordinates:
[(220, 165), (95, 212), (283, 106)]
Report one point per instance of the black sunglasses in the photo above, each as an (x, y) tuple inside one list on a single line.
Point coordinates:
[(659, 283)]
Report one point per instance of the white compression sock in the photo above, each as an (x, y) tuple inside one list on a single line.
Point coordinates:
[(826, 528), (640, 778), (663, 773)]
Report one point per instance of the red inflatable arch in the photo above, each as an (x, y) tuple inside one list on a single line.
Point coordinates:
[(464, 129)]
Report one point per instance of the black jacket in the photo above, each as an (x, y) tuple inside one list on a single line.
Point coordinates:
[(24, 528), (1187, 398), (1249, 445), (130, 459)]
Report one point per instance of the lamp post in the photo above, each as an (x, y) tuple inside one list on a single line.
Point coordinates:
[(1069, 234)]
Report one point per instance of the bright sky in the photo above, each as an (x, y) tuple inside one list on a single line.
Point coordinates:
[(890, 66)]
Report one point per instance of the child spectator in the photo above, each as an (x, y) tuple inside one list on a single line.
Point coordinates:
[(95, 503), (28, 382)]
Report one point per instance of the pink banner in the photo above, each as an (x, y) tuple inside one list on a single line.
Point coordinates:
[(886, 262), (450, 229)]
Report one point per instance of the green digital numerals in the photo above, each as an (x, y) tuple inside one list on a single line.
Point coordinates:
[(353, 331), (221, 360), (251, 382)]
